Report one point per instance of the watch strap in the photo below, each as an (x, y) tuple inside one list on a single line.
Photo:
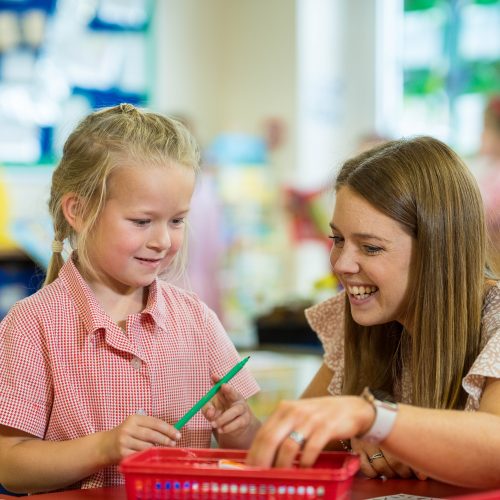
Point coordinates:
[(385, 417)]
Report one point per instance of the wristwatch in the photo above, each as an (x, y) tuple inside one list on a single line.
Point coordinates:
[(385, 416)]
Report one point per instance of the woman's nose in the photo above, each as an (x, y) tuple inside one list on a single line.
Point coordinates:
[(343, 261)]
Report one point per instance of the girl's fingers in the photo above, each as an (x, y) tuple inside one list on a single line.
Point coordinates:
[(156, 431), (224, 419), (209, 411), (235, 424)]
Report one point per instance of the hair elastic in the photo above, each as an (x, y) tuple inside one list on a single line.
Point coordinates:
[(125, 107), (57, 246)]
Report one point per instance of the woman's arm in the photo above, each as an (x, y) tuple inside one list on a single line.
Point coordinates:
[(319, 384), (454, 446)]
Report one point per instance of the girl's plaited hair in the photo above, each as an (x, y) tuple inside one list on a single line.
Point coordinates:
[(101, 142)]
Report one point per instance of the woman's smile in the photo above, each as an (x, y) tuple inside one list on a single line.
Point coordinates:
[(372, 257)]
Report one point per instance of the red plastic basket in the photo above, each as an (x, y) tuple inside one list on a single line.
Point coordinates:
[(189, 473)]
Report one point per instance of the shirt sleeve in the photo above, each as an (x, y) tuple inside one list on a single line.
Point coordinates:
[(223, 356), (327, 321), (487, 364), (26, 390)]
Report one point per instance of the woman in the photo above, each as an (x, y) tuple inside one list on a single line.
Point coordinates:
[(418, 323)]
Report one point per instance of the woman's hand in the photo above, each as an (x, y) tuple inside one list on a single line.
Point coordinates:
[(317, 420), (376, 462), (231, 417), (136, 433)]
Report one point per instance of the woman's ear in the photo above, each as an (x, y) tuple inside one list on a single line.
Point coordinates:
[(71, 208)]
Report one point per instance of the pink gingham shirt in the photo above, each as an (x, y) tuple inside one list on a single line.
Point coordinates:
[(67, 370)]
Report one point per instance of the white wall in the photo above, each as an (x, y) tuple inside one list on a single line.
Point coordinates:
[(228, 64)]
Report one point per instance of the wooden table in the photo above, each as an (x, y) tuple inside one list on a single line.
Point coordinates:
[(362, 489)]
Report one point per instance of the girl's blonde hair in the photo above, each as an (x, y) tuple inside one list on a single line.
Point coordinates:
[(424, 186), (100, 143)]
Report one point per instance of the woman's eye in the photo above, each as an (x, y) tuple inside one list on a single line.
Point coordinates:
[(371, 250), (178, 222), (338, 241)]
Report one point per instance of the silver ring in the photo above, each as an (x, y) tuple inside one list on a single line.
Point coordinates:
[(297, 437), (379, 454)]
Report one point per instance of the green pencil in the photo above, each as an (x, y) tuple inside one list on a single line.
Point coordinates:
[(210, 394)]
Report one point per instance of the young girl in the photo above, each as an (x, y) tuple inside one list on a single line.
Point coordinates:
[(419, 323), (106, 357)]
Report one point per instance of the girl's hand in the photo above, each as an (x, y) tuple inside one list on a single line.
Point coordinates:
[(231, 417), (382, 463), (136, 433)]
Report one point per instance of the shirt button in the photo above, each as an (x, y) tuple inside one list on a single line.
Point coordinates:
[(136, 363)]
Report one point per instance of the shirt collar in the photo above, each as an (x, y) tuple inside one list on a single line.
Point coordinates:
[(156, 306), (93, 315)]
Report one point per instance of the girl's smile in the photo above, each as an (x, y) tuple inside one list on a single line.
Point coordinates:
[(141, 227)]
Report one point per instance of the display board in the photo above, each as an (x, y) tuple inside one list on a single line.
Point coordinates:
[(451, 65)]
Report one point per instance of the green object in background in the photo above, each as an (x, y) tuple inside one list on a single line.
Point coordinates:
[(487, 2), (423, 81), (483, 77), (410, 5), (210, 394)]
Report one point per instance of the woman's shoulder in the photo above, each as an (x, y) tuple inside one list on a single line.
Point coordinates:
[(491, 306), (492, 299), (486, 364), (327, 314)]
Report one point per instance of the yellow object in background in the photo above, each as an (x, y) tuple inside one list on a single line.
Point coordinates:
[(6, 242), (329, 282), (280, 376)]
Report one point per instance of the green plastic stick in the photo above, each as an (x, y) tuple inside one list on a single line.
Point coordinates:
[(210, 394)]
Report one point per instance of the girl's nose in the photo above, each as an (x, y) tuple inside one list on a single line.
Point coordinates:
[(161, 238)]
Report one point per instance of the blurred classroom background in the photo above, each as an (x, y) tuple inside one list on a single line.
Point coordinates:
[(278, 93)]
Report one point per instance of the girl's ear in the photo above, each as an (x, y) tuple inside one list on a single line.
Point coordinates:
[(71, 208)]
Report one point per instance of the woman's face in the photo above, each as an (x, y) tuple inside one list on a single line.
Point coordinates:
[(372, 256)]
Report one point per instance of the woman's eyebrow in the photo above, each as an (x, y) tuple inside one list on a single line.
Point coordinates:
[(361, 235)]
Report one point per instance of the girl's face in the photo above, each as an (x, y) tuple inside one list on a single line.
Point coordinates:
[(141, 228), (372, 256)]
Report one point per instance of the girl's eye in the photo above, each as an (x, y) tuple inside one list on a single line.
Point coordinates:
[(371, 250), (338, 241), (141, 222), (178, 222)]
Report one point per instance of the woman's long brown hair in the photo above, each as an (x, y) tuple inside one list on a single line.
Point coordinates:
[(424, 186)]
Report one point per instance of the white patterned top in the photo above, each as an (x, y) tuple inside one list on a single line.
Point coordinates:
[(327, 320)]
